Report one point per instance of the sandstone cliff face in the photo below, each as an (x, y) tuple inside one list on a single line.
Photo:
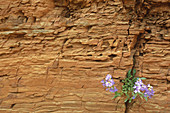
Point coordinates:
[(54, 53)]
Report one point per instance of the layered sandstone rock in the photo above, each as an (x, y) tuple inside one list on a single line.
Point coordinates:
[(53, 54)]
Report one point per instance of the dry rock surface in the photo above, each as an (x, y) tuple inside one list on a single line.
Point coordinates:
[(54, 53)]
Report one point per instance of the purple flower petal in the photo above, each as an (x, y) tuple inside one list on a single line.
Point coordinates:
[(115, 89), (102, 81), (133, 97), (108, 77), (150, 97), (111, 90), (137, 91), (152, 92), (112, 81), (109, 84)]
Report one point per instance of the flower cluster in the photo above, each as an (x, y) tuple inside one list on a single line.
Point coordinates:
[(108, 82), (147, 89), (131, 88)]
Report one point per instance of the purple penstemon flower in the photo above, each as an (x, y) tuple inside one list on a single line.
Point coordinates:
[(103, 83), (137, 90), (152, 92), (113, 90), (149, 91), (133, 97), (150, 87), (145, 95), (139, 82), (109, 82), (139, 86), (108, 77), (143, 87)]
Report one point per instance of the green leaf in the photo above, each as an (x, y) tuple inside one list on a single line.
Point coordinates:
[(125, 91), (142, 78), (129, 73), (121, 93), (116, 95), (141, 95), (127, 95), (125, 85), (145, 98), (134, 80), (135, 95), (129, 88), (134, 72), (126, 99), (130, 100)]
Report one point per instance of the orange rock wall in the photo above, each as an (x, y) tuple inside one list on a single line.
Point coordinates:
[(54, 53)]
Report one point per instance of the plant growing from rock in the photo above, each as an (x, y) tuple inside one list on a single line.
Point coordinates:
[(133, 87)]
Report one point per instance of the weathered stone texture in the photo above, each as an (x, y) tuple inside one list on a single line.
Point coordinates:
[(54, 53)]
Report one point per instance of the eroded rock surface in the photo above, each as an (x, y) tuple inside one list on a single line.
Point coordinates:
[(54, 53)]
